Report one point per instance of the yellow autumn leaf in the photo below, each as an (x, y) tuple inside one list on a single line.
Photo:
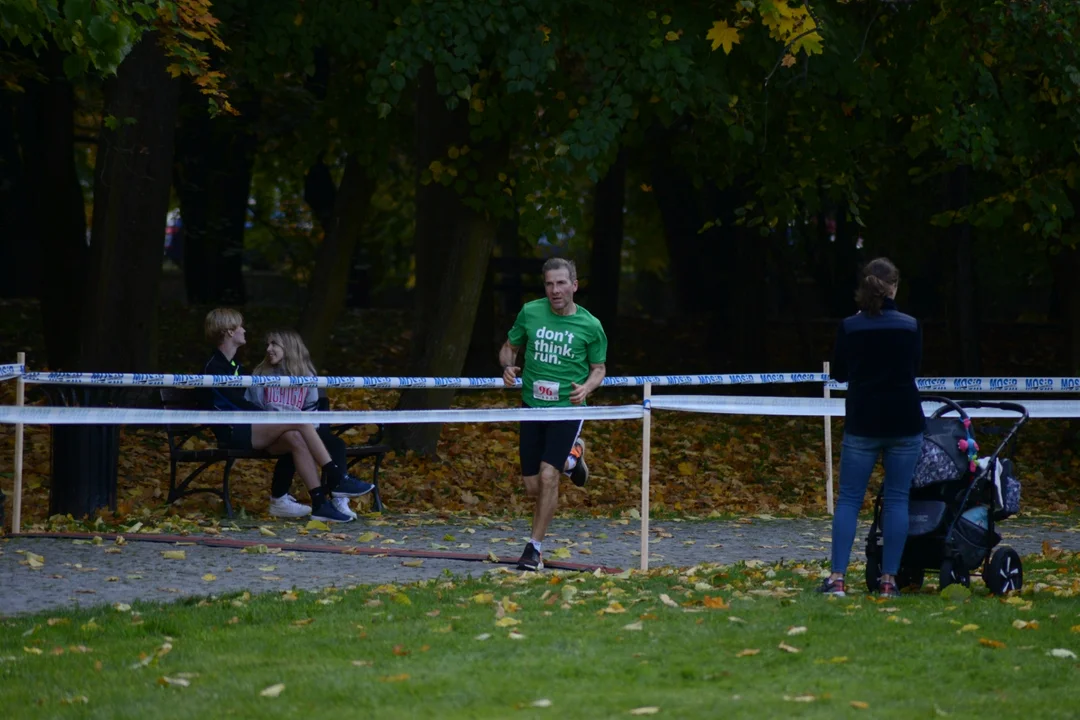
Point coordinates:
[(506, 622), (671, 36), (317, 525), (788, 648), (273, 691), (492, 557), (722, 35), (413, 563), (263, 530), (859, 705), (36, 562), (209, 577), (367, 537), (1025, 624), (715, 603), (995, 644), (686, 469), (394, 678), (561, 554), (970, 627), (748, 652), (174, 555), (483, 598), (32, 650), (614, 608)]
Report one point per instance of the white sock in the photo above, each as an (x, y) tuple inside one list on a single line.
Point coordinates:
[(538, 545)]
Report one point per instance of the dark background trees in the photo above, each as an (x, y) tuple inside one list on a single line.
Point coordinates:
[(724, 170)]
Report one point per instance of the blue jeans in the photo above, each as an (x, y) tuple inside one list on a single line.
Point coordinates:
[(857, 460)]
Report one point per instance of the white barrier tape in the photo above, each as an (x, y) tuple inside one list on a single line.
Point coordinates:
[(13, 370), (349, 382), (139, 416), (989, 384), (834, 407), (926, 384)]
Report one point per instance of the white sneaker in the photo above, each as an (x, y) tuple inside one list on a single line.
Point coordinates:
[(286, 506), (341, 504)]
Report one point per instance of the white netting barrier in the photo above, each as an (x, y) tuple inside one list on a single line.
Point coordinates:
[(824, 407), (33, 414), (834, 407)]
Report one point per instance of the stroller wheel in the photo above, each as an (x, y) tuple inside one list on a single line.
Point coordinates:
[(910, 578), (953, 572), (1005, 572), (873, 572)]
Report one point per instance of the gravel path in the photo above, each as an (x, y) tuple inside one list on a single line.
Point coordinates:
[(81, 574)]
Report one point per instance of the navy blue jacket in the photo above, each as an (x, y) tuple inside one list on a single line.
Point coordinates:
[(225, 398), (879, 357)]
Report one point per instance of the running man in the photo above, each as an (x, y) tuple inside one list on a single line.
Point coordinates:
[(565, 355)]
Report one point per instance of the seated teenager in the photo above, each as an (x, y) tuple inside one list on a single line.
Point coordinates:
[(288, 356), (224, 327)]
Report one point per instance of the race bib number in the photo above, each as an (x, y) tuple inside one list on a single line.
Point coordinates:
[(546, 391)]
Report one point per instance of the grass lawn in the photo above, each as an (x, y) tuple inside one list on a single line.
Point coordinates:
[(706, 642)]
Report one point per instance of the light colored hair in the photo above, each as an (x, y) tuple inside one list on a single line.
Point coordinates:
[(296, 360), (558, 263), (220, 321)]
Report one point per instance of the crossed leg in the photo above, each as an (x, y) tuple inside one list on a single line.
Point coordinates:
[(301, 441)]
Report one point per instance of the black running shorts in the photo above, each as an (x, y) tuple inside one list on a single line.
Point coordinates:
[(547, 441)]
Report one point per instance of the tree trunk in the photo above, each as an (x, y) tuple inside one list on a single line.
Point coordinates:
[(57, 207), (680, 210), (131, 197), (605, 267), (965, 320), (483, 349), (20, 256), (214, 161), (334, 262), (41, 206), (453, 244)]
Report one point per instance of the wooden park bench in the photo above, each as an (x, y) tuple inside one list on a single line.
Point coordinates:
[(180, 435)]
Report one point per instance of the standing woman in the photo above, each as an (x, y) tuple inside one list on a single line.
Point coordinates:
[(878, 353)]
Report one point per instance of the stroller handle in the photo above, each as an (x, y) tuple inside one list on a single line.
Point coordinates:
[(948, 405)]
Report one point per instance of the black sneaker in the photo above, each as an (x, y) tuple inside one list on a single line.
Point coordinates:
[(580, 474), (328, 513), (531, 559), (836, 588), (350, 487)]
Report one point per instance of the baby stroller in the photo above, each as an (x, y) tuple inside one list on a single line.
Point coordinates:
[(956, 499)]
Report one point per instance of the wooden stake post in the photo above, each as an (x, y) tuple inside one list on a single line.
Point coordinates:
[(646, 451), (828, 451), (16, 500)]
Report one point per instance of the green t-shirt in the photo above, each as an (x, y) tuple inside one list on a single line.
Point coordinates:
[(558, 351)]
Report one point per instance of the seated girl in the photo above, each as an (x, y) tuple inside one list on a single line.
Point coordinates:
[(286, 355)]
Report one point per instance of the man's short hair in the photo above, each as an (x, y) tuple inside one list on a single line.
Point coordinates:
[(558, 263), (219, 321)]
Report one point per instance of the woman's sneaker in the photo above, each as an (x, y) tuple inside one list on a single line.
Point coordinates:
[(888, 590), (328, 513), (836, 588), (287, 506), (350, 487), (580, 473), (342, 506)]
